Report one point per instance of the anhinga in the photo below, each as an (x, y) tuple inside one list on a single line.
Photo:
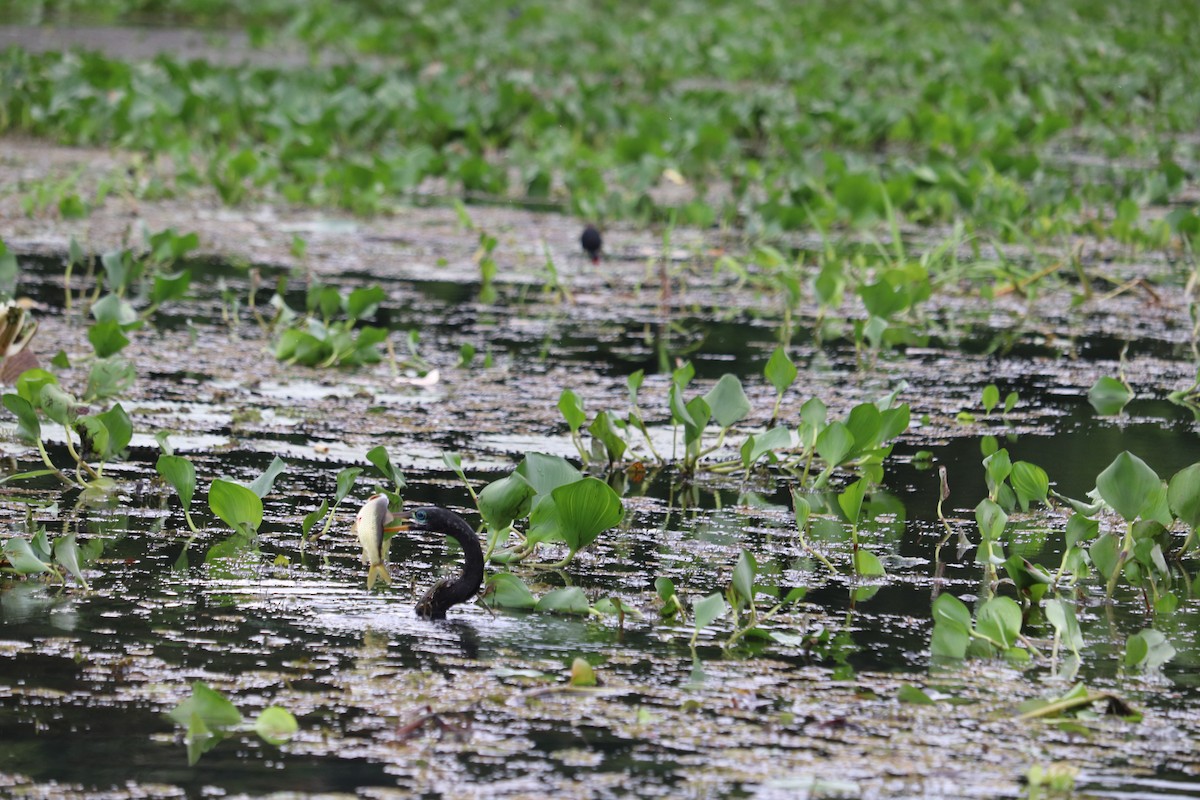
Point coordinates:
[(371, 524)]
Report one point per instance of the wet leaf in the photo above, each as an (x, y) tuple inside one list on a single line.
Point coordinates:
[(565, 600), (58, 405), (708, 610), (29, 427), (107, 338), (168, 287), (1030, 482), (236, 505), (572, 409), (263, 484), (1127, 485), (364, 302), (313, 517), (834, 443), (867, 564), (109, 377), (115, 310), (207, 705), (505, 500), (276, 725), (850, 500), (1183, 495), (605, 431), (999, 619), (780, 371), (951, 627), (506, 590), (1061, 614), (30, 383), (1148, 650), (22, 558), (345, 482), (582, 673), (1109, 396), (180, 474), (744, 574), (991, 519), (907, 693), (66, 553), (585, 509), (379, 458), (546, 473), (758, 445), (727, 401)]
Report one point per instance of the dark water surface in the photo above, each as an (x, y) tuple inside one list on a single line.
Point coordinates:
[(85, 678)]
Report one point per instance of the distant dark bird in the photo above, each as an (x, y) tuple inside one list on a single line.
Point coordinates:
[(372, 524), (591, 243)]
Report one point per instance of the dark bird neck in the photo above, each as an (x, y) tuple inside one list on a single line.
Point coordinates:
[(459, 588)]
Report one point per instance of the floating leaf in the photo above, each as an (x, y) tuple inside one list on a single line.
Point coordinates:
[(1148, 650), (506, 590), (276, 725), (1109, 396), (907, 693), (209, 706), (582, 673), (566, 600)]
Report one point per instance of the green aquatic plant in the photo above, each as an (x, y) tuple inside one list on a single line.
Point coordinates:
[(1109, 396), (329, 334), (208, 718), (38, 556)]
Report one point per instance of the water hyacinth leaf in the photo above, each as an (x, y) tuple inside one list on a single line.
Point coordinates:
[(454, 462), (1030, 482), (364, 301), (1109, 396), (867, 564), (67, 553), (236, 505), (851, 499), (758, 445), (727, 401), (893, 422), (1061, 615), (744, 573), (275, 725), (572, 409), (865, 423), (699, 413), (58, 405), (999, 619), (708, 610), (585, 509), (180, 473), (107, 338), (633, 383), (582, 673), (379, 458), (990, 518), (1127, 485), (172, 286), (780, 371), (683, 375), (345, 482), (605, 431), (907, 693), (997, 468), (263, 484), (30, 383), (117, 310), (564, 600), (1010, 401), (834, 443), (29, 427), (505, 590), (546, 473), (505, 500), (1148, 650), (1183, 495), (665, 588), (109, 377), (313, 517), (209, 706), (951, 627), (21, 557), (679, 412), (1105, 553), (990, 398)]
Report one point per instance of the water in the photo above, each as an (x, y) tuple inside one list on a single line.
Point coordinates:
[(477, 704)]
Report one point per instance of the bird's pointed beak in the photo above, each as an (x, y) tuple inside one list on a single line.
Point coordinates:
[(400, 522)]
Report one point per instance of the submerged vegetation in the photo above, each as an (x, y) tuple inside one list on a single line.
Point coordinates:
[(782, 454)]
